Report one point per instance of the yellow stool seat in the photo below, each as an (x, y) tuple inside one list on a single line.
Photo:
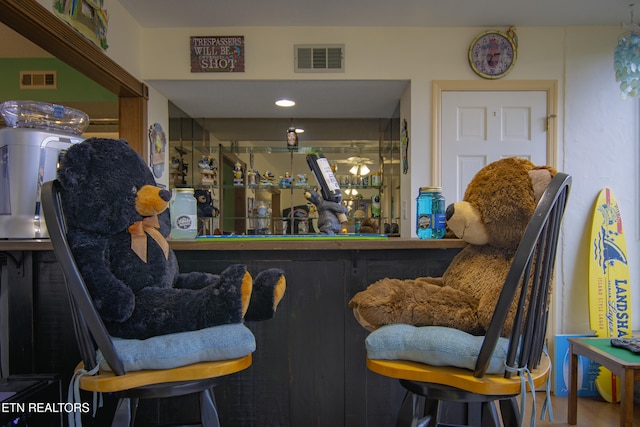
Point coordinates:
[(107, 381), (460, 378)]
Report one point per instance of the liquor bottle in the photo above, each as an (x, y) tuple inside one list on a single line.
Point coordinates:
[(329, 187)]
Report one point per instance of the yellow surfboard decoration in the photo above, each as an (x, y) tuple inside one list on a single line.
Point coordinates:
[(609, 284)]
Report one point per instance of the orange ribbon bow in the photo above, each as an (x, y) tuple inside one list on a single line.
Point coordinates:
[(139, 231)]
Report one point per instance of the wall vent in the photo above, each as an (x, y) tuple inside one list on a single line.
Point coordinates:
[(316, 58), (38, 80)]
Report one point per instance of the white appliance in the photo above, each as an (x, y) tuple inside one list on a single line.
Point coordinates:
[(28, 157)]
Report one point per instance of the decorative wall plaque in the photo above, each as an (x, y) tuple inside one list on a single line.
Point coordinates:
[(217, 54)]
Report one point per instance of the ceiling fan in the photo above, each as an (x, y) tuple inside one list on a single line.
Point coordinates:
[(359, 165), (355, 160)]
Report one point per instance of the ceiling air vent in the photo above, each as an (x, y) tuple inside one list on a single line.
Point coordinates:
[(316, 58), (38, 80)]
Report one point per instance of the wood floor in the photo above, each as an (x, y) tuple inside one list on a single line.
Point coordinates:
[(592, 412)]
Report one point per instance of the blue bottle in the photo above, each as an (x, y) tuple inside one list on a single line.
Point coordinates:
[(430, 217)]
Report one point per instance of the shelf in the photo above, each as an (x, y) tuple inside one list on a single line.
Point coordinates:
[(302, 150), (196, 186), (237, 203), (297, 186)]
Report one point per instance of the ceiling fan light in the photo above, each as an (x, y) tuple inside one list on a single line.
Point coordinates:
[(364, 170), (354, 170)]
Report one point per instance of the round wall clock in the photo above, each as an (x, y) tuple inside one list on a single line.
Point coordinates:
[(493, 54)]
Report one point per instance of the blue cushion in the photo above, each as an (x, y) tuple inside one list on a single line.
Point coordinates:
[(184, 348), (433, 345)]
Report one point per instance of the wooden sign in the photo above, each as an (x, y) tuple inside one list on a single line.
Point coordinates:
[(217, 54)]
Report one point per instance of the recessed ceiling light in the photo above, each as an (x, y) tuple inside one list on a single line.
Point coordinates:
[(285, 103)]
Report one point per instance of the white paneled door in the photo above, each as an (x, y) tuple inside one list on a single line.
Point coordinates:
[(479, 127)]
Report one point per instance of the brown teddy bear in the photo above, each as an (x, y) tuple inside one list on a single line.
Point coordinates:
[(497, 206)]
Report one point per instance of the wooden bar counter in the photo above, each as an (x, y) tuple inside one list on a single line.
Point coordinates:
[(309, 365)]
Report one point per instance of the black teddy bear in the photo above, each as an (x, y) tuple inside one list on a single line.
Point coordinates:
[(205, 208), (118, 220)]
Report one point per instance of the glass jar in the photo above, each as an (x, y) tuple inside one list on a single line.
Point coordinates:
[(184, 214), (430, 216)]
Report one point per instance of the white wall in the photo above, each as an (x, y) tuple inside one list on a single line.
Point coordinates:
[(597, 130), (600, 149)]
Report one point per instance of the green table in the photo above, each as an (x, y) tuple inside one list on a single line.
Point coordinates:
[(622, 363)]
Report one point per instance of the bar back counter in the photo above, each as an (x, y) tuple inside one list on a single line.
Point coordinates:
[(309, 366)]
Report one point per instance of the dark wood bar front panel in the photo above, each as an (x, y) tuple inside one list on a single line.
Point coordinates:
[(309, 366)]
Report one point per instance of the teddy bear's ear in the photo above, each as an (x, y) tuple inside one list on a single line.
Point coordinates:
[(74, 165), (540, 178)]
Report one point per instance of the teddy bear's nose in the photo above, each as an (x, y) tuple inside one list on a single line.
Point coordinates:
[(450, 211), (165, 195)]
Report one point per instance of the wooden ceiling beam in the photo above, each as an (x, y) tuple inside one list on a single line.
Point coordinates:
[(37, 24)]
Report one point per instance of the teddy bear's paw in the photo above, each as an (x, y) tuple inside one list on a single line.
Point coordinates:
[(237, 276), (362, 321), (373, 317), (370, 311), (246, 291), (268, 290)]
